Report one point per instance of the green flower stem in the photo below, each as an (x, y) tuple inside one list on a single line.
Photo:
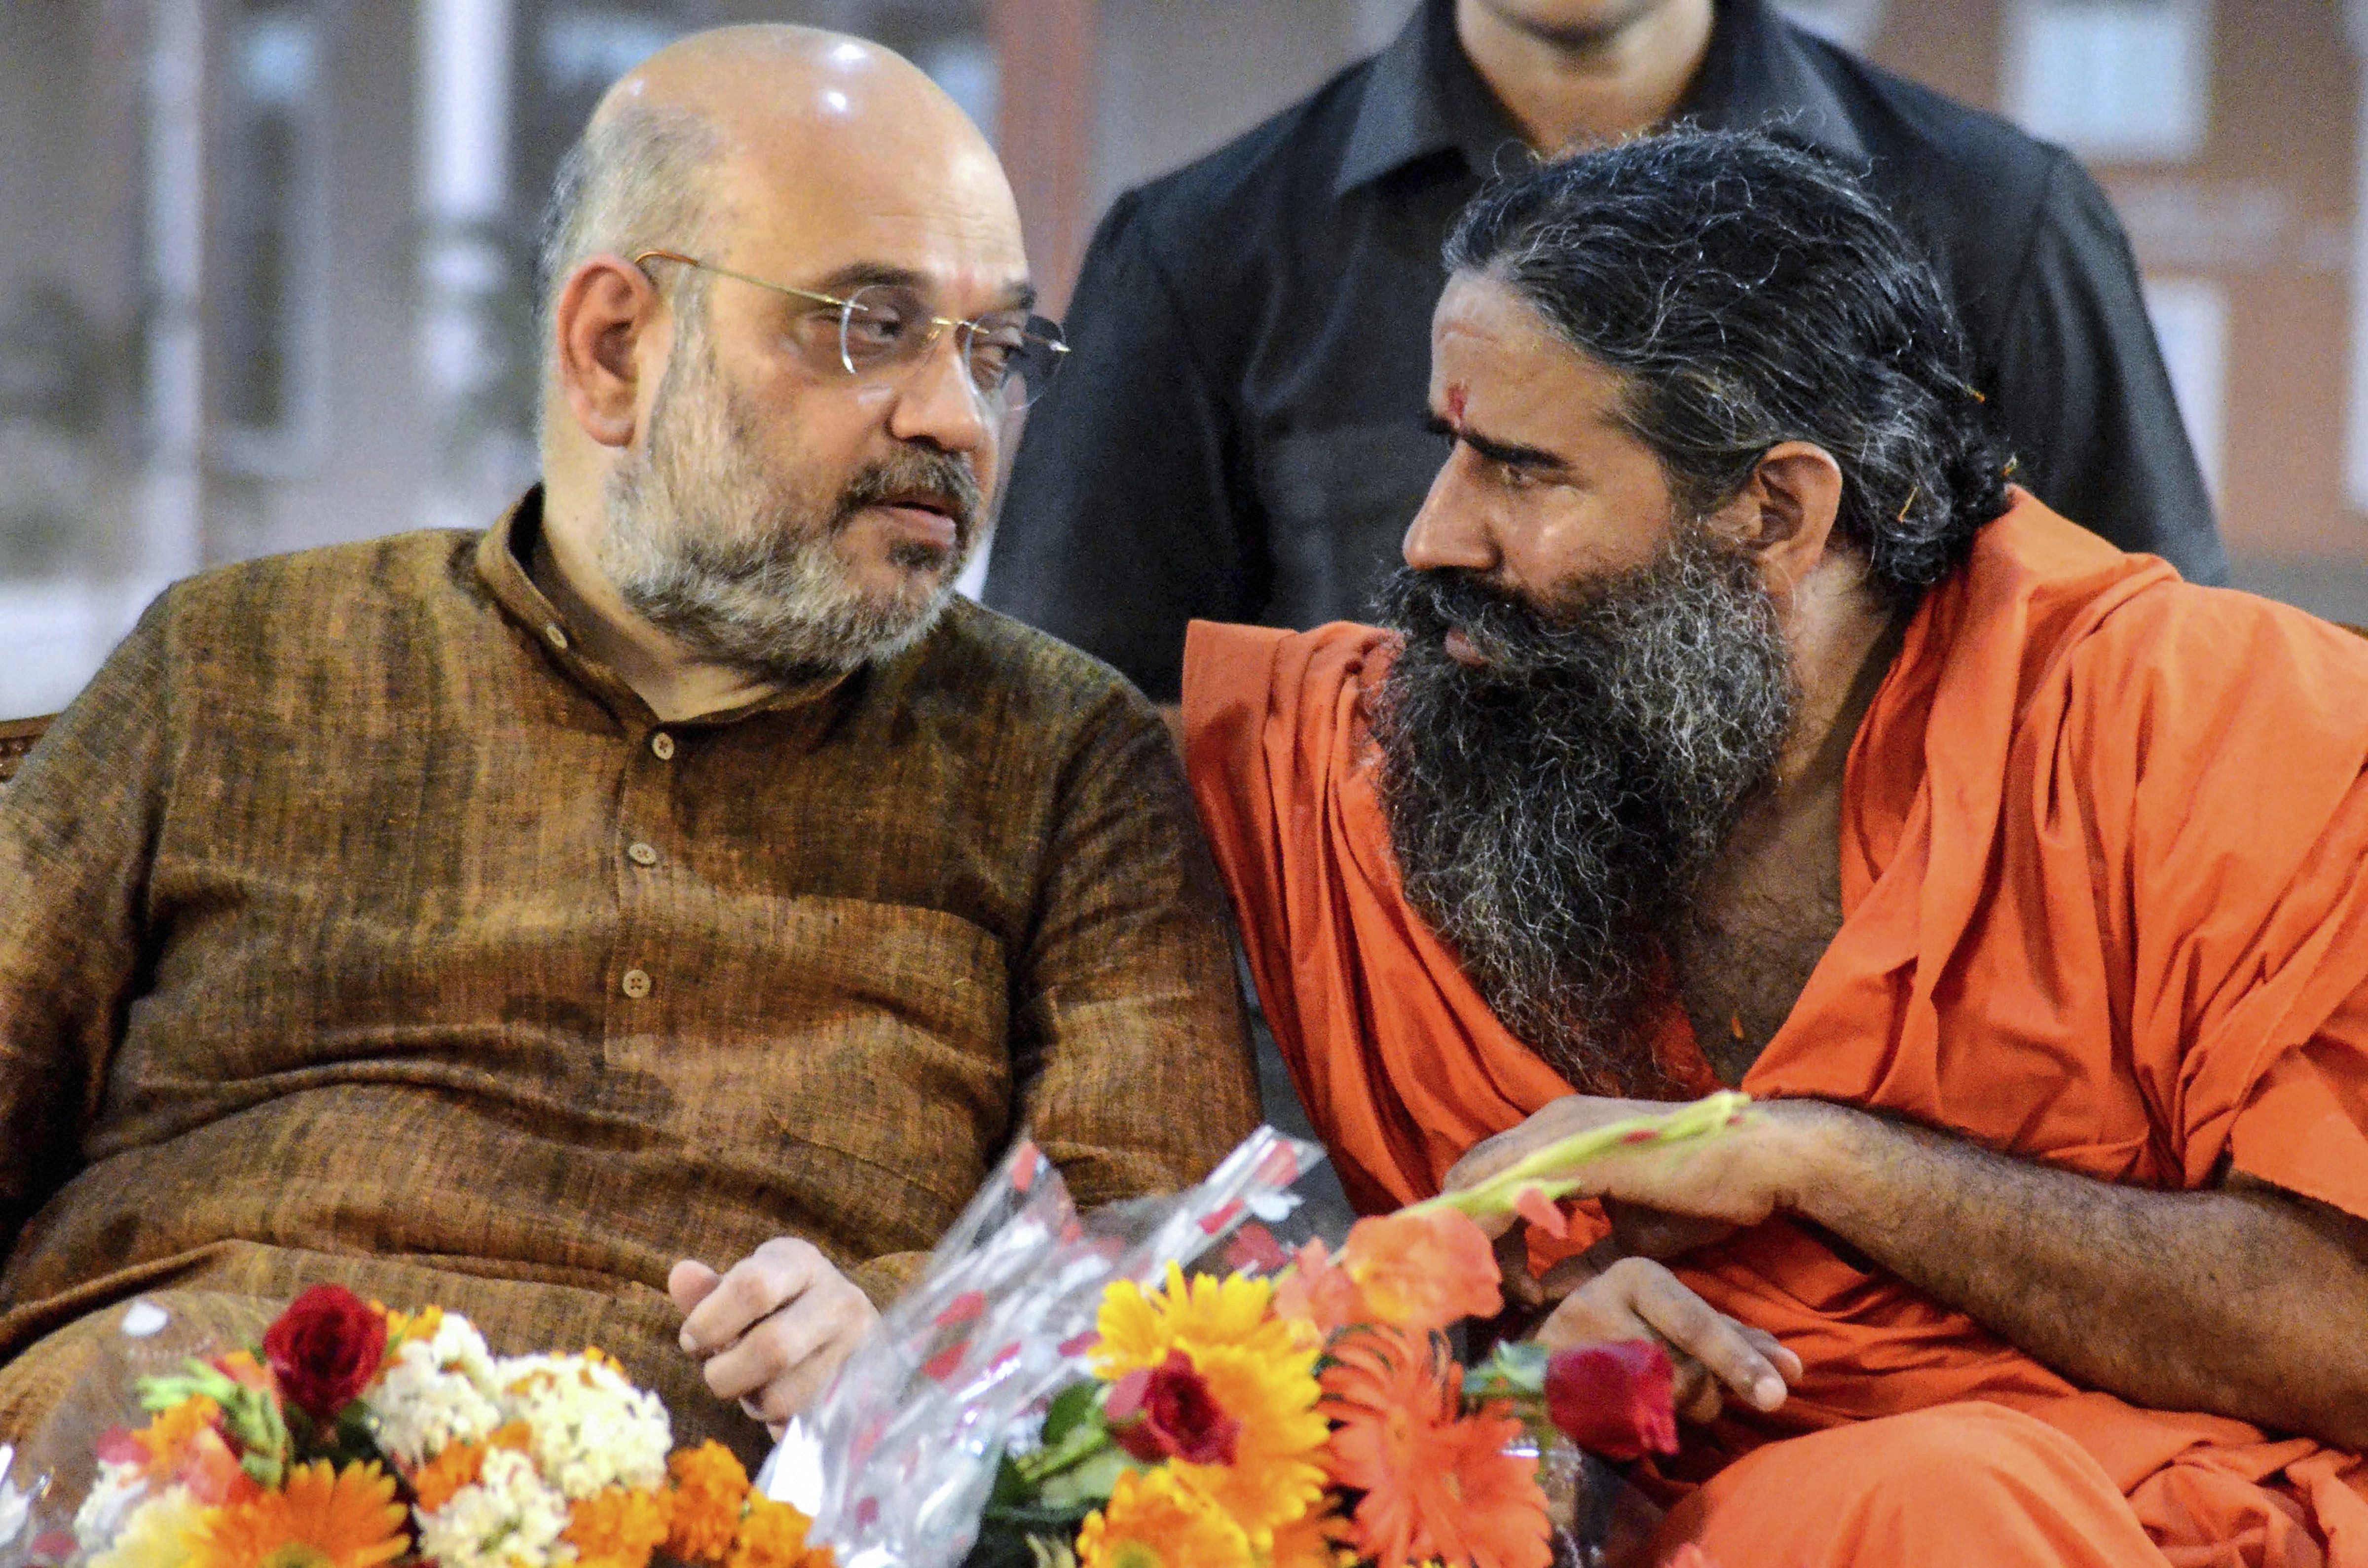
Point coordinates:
[(1558, 1169)]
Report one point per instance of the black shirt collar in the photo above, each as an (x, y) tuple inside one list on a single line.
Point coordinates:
[(1422, 96)]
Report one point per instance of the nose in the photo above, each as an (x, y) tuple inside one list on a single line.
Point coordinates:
[(1452, 528), (940, 405)]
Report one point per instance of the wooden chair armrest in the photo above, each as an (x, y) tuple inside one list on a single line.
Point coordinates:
[(17, 738)]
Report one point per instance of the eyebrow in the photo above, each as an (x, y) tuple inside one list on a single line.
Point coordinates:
[(1511, 454), (1017, 297)]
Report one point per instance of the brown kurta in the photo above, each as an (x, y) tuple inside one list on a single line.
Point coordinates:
[(354, 925)]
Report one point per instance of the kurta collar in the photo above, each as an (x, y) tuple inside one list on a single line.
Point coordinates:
[(501, 567)]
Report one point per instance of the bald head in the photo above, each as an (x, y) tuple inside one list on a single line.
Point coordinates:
[(770, 122)]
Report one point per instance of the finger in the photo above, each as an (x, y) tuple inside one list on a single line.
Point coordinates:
[(780, 1366), (750, 1291), (1521, 1287), (690, 1282), (1696, 1394), (1691, 1325), (1787, 1364)]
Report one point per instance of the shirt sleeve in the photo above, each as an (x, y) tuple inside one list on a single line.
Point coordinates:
[(1123, 519), (76, 830), (1128, 1037), (2082, 396)]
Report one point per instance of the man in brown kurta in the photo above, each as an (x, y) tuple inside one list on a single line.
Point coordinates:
[(361, 923)]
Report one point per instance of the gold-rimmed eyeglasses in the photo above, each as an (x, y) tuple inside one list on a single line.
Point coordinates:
[(884, 329)]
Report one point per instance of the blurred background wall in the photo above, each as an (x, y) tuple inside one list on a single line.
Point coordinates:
[(264, 276)]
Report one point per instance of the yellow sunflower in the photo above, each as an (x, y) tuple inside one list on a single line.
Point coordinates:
[(1139, 1327), (1259, 1368), (323, 1519), (1154, 1520)]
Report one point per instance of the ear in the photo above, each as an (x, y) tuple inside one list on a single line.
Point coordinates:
[(603, 324), (1784, 513)]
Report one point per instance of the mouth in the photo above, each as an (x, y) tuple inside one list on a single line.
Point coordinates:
[(1459, 648), (925, 516)]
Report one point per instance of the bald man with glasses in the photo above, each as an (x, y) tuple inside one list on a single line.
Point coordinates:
[(640, 923)]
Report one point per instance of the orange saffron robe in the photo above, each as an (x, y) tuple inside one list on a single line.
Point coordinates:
[(2104, 860)]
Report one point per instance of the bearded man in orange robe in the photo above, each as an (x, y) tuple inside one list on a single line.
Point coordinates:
[(1737, 721)]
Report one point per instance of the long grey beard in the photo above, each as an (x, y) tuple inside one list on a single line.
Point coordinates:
[(1552, 812)]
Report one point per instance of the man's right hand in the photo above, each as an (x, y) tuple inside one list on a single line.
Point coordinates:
[(1634, 1298)]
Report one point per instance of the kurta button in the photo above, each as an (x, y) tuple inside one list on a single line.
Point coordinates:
[(636, 985), (641, 855), (558, 638), (662, 746)]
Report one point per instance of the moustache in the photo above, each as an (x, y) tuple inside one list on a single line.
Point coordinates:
[(1518, 640), (916, 473)]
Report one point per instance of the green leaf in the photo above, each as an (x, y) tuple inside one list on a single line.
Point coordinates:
[(1087, 1485), (1517, 1370), (1072, 1406)]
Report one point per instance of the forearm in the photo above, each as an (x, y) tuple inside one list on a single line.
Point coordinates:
[(2241, 1302)]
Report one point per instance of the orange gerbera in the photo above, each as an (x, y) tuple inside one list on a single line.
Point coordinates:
[(1436, 1484), (322, 1518), (710, 1492), (1154, 1520), (616, 1527), (1423, 1270)]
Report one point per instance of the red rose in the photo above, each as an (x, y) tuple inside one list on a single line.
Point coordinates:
[(1168, 1412), (1616, 1400), (324, 1350)]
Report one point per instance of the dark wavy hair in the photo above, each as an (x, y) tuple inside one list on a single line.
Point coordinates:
[(1747, 291)]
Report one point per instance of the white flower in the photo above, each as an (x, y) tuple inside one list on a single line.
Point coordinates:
[(117, 1490), (591, 1430), (439, 1390), (157, 1534), (508, 1519)]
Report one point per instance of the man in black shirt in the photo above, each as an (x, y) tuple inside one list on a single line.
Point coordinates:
[(1240, 432)]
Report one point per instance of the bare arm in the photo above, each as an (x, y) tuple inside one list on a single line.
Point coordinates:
[(2241, 1302)]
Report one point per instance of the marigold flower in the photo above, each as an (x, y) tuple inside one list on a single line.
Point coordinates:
[(773, 1535), (1259, 1369), (1154, 1520), (1437, 1484), (323, 1519), (401, 1328), (458, 1466), (710, 1493), (168, 1436), (1423, 1269), (619, 1528)]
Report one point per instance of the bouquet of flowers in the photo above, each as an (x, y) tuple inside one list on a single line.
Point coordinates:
[(1302, 1410), (353, 1436)]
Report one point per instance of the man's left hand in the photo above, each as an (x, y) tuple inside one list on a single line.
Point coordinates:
[(771, 1329), (1674, 1198)]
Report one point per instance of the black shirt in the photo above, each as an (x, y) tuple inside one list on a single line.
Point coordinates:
[(1239, 432)]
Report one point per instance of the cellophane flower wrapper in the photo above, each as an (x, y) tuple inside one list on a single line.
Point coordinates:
[(909, 1432), (47, 1474)]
